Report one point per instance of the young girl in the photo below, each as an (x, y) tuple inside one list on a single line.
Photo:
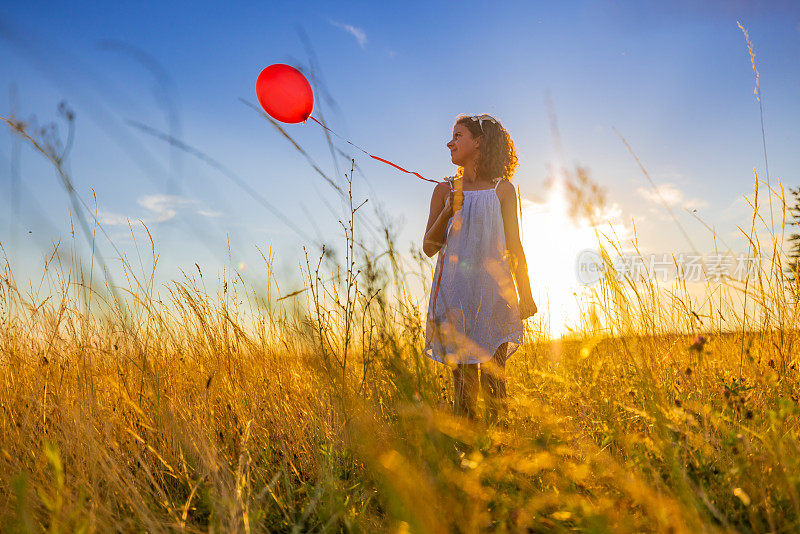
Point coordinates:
[(475, 315)]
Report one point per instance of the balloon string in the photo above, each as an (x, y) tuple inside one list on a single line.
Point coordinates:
[(398, 167), (418, 175)]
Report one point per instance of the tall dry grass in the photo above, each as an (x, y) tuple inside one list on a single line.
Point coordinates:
[(209, 405)]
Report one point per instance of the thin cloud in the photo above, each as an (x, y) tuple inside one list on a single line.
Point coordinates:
[(206, 213), (164, 207), (108, 218), (358, 33), (160, 208), (672, 196)]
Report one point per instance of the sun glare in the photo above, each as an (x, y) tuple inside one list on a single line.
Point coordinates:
[(553, 241)]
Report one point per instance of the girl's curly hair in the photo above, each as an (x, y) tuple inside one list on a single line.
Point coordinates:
[(497, 157)]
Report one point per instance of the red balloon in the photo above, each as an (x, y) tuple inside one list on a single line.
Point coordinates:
[(284, 93)]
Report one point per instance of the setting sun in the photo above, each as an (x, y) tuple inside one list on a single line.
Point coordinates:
[(553, 240)]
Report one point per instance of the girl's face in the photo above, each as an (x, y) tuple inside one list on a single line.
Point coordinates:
[(463, 147)]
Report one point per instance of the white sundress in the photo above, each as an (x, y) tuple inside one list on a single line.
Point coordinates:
[(476, 309)]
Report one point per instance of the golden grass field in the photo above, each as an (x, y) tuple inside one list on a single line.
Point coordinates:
[(208, 405)]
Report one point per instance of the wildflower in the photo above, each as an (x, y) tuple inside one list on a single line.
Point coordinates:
[(698, 344)]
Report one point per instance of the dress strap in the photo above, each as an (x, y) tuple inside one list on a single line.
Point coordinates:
[(498, 180)]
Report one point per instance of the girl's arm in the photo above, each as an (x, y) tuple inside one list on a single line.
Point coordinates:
[(519, 264), (440, 212)]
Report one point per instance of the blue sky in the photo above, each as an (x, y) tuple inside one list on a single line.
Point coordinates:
[(674, 79)]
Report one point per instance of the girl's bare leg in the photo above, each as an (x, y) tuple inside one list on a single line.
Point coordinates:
[(493, 385), (466, 385)]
